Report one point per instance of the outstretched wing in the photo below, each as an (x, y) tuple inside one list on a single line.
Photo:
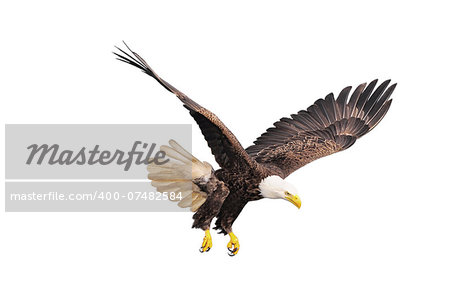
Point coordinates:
[(225, 147), (329, 126)]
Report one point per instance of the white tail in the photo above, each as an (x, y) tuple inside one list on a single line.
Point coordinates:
[(178, 174)]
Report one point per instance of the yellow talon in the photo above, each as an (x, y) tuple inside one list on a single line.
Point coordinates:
[(207, 242), (233, 245)]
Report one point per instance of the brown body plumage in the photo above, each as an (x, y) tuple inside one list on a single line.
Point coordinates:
[(328, 126)]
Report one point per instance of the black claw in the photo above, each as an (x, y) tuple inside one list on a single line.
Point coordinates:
[(231, 253), (208, 249), (201, 250), (232, 250)]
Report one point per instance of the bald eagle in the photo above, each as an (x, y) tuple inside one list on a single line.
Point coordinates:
[(328, 126)]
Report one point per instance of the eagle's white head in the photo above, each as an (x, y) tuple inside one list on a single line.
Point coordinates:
[(275, 187)]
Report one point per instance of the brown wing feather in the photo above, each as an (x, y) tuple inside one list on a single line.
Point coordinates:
[(225, 147), (328, 126)]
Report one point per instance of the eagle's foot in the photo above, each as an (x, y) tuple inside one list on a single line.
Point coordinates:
[(207, 242), (233, 245)]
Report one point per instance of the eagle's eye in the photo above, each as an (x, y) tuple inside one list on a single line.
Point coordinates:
[(286, 193)]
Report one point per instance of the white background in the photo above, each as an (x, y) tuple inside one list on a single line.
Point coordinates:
[(375, 218)]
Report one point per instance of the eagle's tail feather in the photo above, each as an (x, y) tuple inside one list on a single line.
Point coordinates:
[(177, 176)]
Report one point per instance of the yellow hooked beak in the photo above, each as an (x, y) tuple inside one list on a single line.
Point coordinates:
[(294, 199)]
